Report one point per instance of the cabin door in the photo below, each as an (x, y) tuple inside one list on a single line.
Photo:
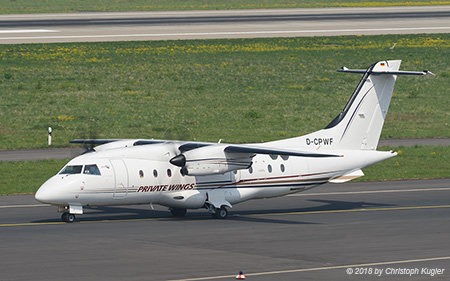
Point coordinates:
[(121, 178)]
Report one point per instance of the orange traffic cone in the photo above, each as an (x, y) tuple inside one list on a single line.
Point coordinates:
[(240, 276)]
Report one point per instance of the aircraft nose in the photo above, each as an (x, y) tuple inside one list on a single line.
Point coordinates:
[(43, 194), (47, 193), (58, 190)]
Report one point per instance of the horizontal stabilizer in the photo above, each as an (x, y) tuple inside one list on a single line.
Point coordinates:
[(348, 177), (362, 71)]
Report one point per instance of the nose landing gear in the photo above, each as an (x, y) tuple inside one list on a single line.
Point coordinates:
[(69, 212)]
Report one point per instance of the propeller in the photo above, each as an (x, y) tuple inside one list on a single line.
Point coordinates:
[(88, 130), (178, 132)]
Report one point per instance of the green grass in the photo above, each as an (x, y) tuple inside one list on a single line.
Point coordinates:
[(26, 177), (243, 90), (58, 6), (416, 162), (420, 162)]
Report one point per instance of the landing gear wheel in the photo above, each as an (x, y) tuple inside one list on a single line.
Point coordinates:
[(66, 217), (176, 212), (221, 213)]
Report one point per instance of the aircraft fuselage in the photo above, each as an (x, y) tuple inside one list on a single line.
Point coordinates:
[(143, 175)]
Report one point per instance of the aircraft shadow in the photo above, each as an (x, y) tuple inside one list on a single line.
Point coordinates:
[(112, 213), (327, 206), (267, 220)]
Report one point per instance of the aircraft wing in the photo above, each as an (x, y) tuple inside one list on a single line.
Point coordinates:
[(93, 141), (105, 144), (205, 158), (270, 151), (188, 146)]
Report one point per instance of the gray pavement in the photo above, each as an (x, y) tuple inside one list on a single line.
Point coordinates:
[(40, 154), (315, 235), (173, 25)]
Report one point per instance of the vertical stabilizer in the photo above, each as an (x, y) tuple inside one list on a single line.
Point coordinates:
[(359, 125)]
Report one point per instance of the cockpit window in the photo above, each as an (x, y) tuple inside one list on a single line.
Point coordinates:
[(71, 170), (91, 170)]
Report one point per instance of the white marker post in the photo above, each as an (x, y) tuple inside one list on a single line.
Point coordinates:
[(49, 136)]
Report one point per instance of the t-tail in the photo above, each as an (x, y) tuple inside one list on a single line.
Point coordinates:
[(359, 125)]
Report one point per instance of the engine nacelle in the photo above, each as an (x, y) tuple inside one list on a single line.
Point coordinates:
[(210, 160)]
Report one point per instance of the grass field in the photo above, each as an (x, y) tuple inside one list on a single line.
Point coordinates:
[(243, 90), (411, 163), (26, 177), (417, 162), (58, 6)]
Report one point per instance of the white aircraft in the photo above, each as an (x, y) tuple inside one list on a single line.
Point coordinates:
[(190, 175)]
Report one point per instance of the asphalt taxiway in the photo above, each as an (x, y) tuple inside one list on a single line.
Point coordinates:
[(89, 27), (315, 235)]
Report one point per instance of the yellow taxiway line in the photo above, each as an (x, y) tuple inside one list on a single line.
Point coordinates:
[(248, 215)]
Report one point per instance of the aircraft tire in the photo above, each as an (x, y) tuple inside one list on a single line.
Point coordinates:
[(177, 212), (71, 218), (66, 217), (221, 213)]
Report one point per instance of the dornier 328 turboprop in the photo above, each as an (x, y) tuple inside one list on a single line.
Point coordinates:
[(190, 175)]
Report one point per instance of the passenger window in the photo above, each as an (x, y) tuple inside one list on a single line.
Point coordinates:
[(91, 170)]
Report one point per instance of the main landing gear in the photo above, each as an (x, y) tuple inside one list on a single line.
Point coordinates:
[(220, 213), (177, 212), (217, 213), (67, 217)]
